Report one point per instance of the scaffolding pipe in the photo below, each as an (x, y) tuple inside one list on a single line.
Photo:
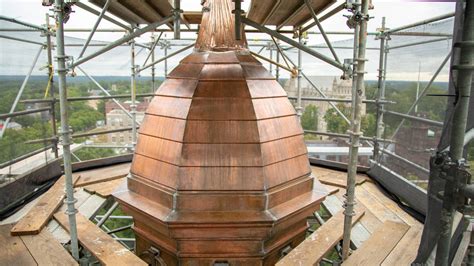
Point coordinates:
[(136, 33), (423, 22), (20, 40), (417, 166), (20, 113), (381, 88), (20, 92), (293, 43), (165, 58), (423, 92), (355, 129), (177, 19), (106, 216), (26, 24), (152, 49), (25, 156), (345, 136), (86, 98), (133, 106), (338, 100), (414, 118), (65, 130), (272, 62), (49, 49), (299, 108), (94, 28), (328, 15), (321, 29), (106, 92), (419, 43), (464, 70), (152, 52)]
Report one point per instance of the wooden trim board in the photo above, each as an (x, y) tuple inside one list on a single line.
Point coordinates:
[(103, 174)]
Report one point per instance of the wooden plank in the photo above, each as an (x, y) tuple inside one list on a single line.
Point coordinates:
[(100, 244), (102, 174), (375, 206), (378, 247), (319, 243), (336, 178), (390, 204), (406, 250), (104, 189), (13, 251), (38, 216), (46, 250)]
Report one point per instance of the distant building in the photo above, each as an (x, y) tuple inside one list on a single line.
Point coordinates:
[(332, 87), (44, 116), (116, 118), (11, 125)]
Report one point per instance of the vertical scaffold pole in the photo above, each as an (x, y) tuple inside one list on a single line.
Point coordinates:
[(133, 106), (458, 129), (355, 129), (299, 108), (51, 85), (65, 132), (277, 70), (153, 89), (381, 91)]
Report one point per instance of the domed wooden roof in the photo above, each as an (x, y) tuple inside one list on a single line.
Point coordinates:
[(220, 122)]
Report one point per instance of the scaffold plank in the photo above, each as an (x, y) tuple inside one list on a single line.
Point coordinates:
[(106, 249), (104, 189), (41, 213), (379, 245), (406, 250), (13, 251), (102, 174), (44, 243), (318, 244)]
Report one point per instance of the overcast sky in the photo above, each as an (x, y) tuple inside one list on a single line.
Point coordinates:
[(397, 13)]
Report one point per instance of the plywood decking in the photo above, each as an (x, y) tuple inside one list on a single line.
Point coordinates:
[(384, 235)]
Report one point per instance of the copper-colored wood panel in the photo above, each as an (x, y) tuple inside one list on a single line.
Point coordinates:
[(159, 149), (247, 58), (211, 201), (282, 172), (195, 58), (276, 128), (283, 149), (156, 171), (221, 109), (221, 178), (145, 227), (221, 132), (169, 107), (222, 57), (256, 72), (289, 192), (272, 107), (265, 89), (191, 71), (131, 201), (163, 127), (220, 246), (216, 89), (206, 261), (250, 231), (221, 155), (177, 88), (140, 186), (222, 72), (213, 219)]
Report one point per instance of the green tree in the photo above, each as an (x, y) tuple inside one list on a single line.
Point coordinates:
[(335, 123), (310, 118)]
